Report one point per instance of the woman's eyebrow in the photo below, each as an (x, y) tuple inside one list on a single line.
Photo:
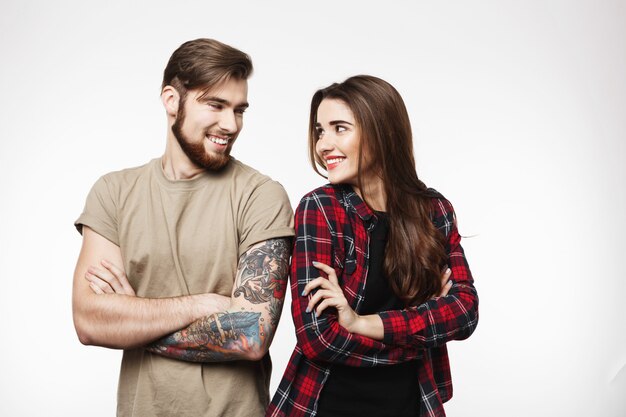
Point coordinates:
[(336, 122)]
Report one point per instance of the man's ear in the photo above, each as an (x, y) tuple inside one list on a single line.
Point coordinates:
[(171, 100)]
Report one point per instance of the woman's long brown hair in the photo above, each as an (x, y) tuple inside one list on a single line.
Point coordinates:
[(415, 253)]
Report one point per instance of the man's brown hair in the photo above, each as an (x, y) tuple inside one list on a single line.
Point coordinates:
[(202, 64)]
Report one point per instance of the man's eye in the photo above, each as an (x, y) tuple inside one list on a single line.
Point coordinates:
[(215, 106), (240, 111)]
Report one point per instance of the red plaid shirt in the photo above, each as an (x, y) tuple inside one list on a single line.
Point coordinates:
[(332, 226)]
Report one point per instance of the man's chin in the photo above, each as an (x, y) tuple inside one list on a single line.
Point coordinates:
[(220, 165), (201, 155), (214, 162)]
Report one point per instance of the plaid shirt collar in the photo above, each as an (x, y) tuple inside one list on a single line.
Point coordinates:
[(354, 203)]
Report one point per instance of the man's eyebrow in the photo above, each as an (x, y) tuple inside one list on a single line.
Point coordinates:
[(220, 100)]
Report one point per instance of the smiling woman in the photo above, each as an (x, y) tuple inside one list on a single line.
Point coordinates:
[(338, 142), (394, 287)]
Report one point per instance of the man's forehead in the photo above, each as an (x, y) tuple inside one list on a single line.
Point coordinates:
[(232, 90)]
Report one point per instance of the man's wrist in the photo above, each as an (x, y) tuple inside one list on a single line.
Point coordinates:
[(206, 304)]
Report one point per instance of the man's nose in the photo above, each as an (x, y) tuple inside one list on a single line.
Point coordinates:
[(228, 121)]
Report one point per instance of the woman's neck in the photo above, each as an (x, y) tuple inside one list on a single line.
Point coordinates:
[(373, 192)]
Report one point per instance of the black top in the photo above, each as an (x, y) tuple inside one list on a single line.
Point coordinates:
[(380, 391)]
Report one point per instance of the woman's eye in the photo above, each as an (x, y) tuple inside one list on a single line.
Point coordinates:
[(319, 133), (340, 129)]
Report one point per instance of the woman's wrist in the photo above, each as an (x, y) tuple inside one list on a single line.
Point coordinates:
[(370, 326), (354, 325)]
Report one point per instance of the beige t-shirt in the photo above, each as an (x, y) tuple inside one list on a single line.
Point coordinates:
[(179, 238)]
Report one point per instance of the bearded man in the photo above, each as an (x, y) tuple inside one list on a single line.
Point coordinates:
[(184, 260)]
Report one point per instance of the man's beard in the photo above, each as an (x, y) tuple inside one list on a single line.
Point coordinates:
[(195, 151)]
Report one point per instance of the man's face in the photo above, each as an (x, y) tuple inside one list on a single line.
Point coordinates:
[(206, 127)]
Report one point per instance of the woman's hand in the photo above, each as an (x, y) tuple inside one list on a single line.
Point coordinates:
[(329, 294), (110, 280), (446, 284)]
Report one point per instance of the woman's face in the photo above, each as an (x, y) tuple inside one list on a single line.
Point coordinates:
[(338, 141)]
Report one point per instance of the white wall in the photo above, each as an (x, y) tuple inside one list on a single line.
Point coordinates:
[(519, 114)]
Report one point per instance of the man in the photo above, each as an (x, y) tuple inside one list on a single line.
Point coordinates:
[(184, 260)]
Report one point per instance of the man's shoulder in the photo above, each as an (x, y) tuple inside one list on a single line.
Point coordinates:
[(128, 175), (251, 177), (242, 169), (128, 181), (114, 184)]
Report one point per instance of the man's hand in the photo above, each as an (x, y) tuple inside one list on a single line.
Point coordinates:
[(112, 279), (106, 311)]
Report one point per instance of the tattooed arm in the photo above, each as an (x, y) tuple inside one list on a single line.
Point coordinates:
[(245, 330)]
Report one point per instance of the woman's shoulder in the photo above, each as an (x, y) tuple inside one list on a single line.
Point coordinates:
[(326, 202), (440, 203), (328, 194), (442, 213)]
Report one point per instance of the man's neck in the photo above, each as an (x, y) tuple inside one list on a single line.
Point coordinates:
[(176, 165)]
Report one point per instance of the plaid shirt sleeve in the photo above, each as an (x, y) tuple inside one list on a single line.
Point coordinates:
[(439, 320), (322, 338)]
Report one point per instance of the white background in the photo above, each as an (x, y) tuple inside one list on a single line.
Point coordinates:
[(519, 115)]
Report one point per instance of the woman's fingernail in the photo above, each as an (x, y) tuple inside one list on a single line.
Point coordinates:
[(448, 271), (308, 310), (315, 263), (303, 293)]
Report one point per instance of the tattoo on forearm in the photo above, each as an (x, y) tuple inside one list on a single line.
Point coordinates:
[(275, 308), (215, 338), (261, 278)]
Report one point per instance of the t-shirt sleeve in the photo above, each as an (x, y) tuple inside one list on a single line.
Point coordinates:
[(266, 214), (100, 212)]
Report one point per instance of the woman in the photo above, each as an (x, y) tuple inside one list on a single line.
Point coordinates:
[(372, 304)]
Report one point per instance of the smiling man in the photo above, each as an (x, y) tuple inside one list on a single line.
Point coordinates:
[(184, 260)]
